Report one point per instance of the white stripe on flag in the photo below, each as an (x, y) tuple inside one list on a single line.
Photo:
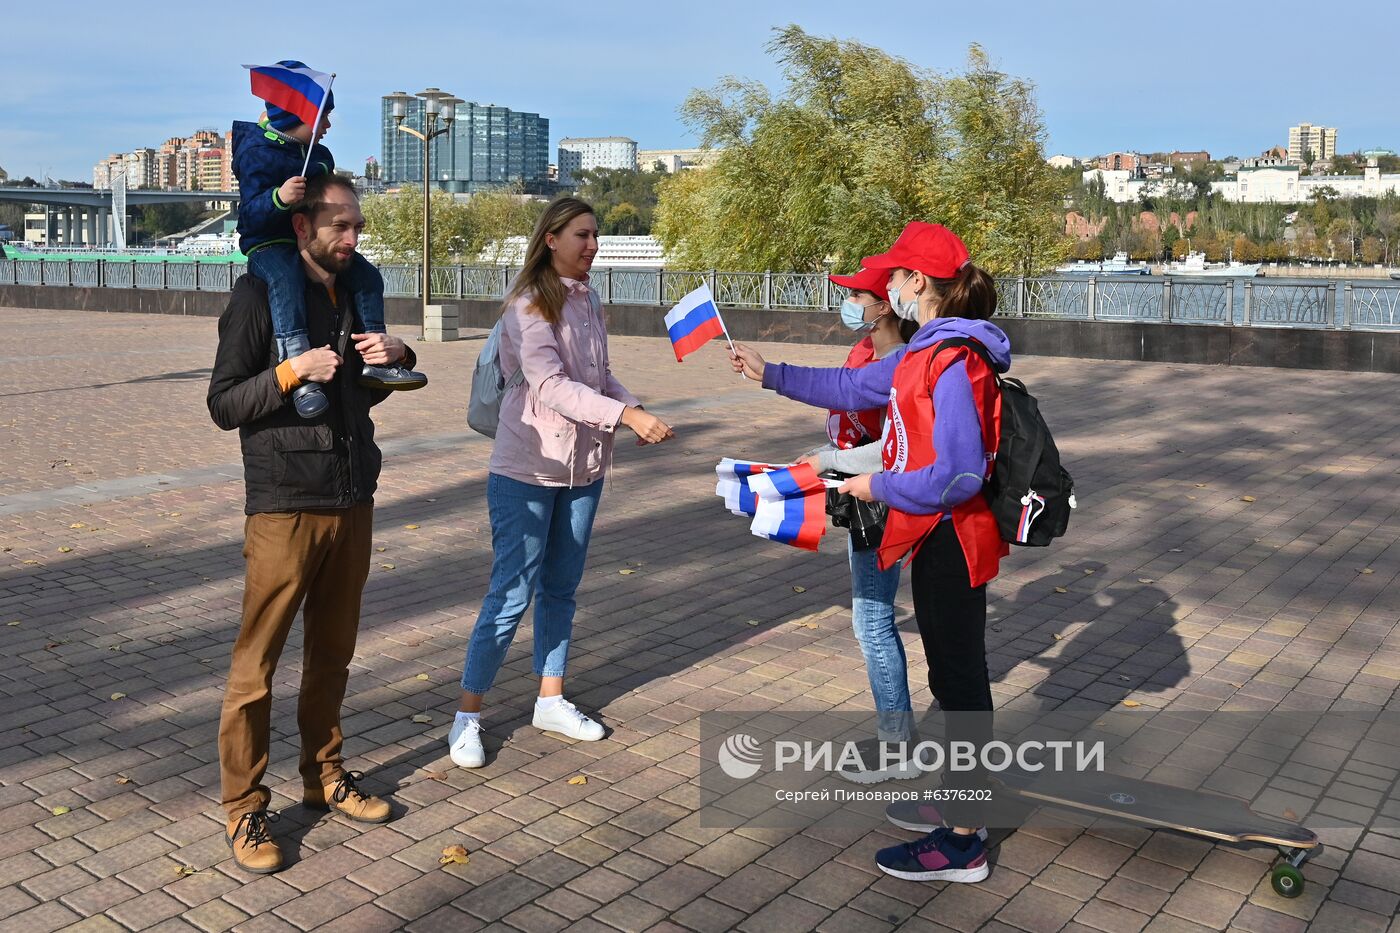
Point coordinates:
[(688, 304)]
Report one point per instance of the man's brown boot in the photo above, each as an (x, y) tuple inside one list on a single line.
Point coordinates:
[(250, 839), (346, 797)]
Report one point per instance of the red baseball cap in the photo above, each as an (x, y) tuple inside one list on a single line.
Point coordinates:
[(932, 249), (866, 280)]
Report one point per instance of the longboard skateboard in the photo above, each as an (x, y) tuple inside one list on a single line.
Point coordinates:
[(1199, 813)]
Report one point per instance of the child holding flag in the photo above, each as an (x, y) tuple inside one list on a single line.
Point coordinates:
[(272, 160), (553, 446), (941, 432)]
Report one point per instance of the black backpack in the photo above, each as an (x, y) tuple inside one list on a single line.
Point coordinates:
[(1030, 493)]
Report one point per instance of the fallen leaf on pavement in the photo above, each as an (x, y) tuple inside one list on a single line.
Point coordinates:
[(421, 677), (185, 871), (434, 775), (77, 525), (799, 589), (626, 572), (1289, 814), (1061, 589), (15, 622), (1246, 498), (411, 527), (1058, 637), (454, 855), (1200, 485), (1146, 580), (387, 566), (1131, 703), (578, 779), (422, 717), (118, 696), (123, 779), (59, 811), (1367, 570)]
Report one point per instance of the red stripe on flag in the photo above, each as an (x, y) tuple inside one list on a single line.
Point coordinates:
[(696, 339), (813, 523), (284, 96)]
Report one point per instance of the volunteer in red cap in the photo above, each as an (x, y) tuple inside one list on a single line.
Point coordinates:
[(853, 448), (941, 432)]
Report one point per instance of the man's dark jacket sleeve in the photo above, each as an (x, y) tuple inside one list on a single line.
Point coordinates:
[(243, 387)]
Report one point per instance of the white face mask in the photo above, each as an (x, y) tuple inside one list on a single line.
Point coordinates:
[(909, 311)]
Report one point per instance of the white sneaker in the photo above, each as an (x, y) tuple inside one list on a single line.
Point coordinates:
[(564, 717), (464, 744)]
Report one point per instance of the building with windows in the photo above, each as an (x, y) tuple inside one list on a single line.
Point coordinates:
[(202, 162), (1309, 143), (673, 160), (594, 152), (486, 147)]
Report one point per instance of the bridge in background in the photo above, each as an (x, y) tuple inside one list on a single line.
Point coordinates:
[(85, 215)]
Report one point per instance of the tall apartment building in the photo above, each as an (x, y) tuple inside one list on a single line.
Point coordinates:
[(1120, 161), (487, 147), (586, 153), (201, 162), (1306, 140)]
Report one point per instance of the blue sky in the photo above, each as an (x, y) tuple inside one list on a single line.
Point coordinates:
[(84, 79)]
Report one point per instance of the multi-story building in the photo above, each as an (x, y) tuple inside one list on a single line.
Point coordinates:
[(1062, 161), (487, 147), (1119, 161), (1191, 158), (673, 160), (1309, 143), (594, 152), (202, 162)]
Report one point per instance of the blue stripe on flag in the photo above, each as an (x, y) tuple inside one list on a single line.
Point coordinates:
[(794, 515), (693, 319)]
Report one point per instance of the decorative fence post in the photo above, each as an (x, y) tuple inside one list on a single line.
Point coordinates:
[(1020, 296), (1091, 297), (1331, 304), (765, 295), (608, 287), (1347, 307), (1167, 300), (826, 293), (660, 287), (1248, 303), (1230, 303)]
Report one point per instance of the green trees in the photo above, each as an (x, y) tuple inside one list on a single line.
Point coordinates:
[(625, 199), (858, 144), (463, 231)]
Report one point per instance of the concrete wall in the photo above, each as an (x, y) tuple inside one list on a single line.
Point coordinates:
[(1292, 348)]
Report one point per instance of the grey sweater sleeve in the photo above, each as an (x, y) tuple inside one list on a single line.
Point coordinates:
[(863, 459)]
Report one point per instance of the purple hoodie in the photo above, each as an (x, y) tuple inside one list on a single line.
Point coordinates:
[(956, 475)]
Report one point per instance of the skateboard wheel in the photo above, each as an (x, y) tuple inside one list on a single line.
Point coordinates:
[(1287, 881)]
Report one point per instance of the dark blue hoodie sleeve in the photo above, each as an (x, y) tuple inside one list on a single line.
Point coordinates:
[(956, 474), (836, 386), (259, 177)]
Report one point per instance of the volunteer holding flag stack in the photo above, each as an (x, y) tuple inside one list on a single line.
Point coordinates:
[(553, 446), (941, 433)]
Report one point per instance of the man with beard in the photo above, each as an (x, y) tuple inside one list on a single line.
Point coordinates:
[(310, 486)]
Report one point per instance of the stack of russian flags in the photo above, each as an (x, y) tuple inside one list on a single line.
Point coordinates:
[(788, 504)]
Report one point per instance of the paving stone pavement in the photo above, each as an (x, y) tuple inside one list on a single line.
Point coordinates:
[(120, 576)]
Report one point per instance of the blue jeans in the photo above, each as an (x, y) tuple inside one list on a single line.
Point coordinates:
[(539, 535), (279, 265), (872, 617)]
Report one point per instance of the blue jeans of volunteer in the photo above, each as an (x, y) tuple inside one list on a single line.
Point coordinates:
[(872, 616), (539, 535)]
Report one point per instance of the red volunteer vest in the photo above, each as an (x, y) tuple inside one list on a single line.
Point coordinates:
[(848, 429), (908, 446)]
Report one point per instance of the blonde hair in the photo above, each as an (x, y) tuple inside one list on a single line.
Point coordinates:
[(537, 277)]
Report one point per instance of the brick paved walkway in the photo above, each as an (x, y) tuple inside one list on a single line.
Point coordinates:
[(120, 521)]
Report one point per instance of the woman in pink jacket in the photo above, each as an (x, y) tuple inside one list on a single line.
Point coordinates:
[(553, 447)]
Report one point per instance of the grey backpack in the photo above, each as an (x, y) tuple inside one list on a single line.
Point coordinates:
[(489, 386)]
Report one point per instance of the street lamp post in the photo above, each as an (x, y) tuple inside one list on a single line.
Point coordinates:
[(437, 105)]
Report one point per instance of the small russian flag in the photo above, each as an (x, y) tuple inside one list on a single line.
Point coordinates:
[(791, 506), (693, 322), (733, 484), (299, 90)]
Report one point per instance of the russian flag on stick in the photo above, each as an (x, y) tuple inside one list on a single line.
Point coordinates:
[(733, 484), (300, 90), (791, 506), (693, 322)]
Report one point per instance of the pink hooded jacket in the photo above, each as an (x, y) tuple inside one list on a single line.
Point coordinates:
[(557, 427)]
